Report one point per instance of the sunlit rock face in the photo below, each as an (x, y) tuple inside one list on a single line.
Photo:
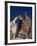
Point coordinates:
[(15, 27), (21, 28)]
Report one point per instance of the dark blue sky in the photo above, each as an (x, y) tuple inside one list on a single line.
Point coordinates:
[(16, 10)]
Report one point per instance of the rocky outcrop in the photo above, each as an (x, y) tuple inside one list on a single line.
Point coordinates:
[(25, 32)]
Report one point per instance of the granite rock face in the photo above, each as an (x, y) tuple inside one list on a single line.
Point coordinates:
[(26, 31), (24, 28)]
